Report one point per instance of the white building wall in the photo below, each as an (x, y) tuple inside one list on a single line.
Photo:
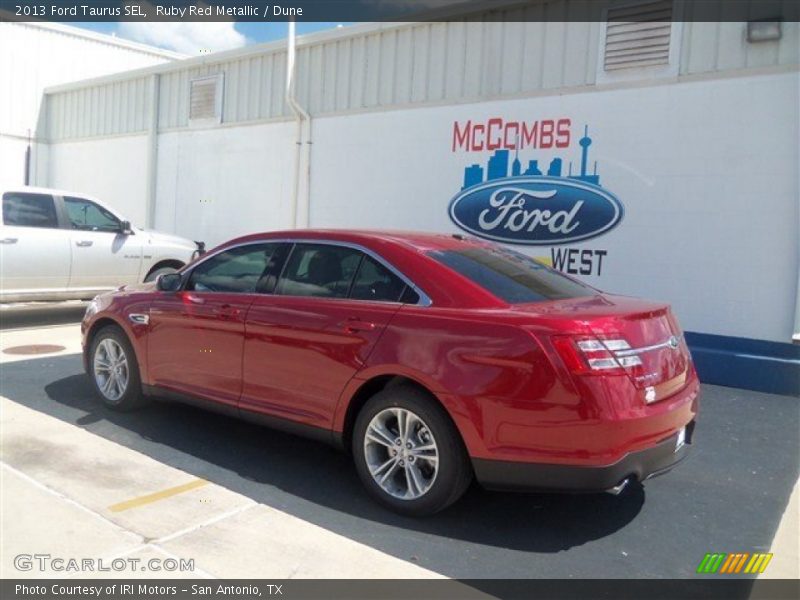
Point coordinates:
[(12, 160), (706, 172), (482, 56), (110, 109), (112, 169), (703, 154), (34, 56), (215, 184)]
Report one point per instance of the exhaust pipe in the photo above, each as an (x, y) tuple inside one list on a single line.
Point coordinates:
[(617, 489)]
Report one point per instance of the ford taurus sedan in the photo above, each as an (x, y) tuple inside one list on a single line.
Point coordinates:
[(433, 359)]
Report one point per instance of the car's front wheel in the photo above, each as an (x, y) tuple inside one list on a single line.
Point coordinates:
[(408, 453), (114, 370)]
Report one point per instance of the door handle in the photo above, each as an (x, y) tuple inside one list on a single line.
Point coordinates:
[(226, 311), (84, 243), (9, 240), (355, 324)]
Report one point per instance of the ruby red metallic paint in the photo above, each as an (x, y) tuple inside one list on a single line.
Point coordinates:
[(496, 368)]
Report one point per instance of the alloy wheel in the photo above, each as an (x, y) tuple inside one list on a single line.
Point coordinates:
[(401, 453), (111, 371)]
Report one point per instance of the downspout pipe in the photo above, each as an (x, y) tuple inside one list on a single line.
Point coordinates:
[(152, 151), (28, 160), (301, 117), (796, 332)]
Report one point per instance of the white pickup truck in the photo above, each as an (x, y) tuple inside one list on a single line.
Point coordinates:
[(57, 245)]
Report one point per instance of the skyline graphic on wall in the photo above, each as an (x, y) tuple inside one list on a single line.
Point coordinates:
[(498, 166)]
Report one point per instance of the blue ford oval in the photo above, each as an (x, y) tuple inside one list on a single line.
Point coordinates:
[(536, 211)]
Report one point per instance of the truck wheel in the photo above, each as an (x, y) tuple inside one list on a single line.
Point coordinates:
[(408, 453)]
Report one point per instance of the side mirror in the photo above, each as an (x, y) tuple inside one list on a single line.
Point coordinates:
[(169, 282), (125, 228)]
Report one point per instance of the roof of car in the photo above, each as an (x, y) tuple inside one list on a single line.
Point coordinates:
[(445, 287), (419, 240)]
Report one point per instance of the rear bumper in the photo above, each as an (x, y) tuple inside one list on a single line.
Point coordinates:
[(641, 465)]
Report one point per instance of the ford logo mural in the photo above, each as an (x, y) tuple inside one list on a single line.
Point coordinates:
[(536, 211)]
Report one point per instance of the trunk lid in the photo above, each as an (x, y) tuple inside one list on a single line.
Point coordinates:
[(649, 328)]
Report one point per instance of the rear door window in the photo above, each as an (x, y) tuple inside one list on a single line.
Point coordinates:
[(29, 210), (319, 270), (511, 276)]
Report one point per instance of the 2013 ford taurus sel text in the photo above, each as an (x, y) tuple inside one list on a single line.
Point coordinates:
[(433, 358)]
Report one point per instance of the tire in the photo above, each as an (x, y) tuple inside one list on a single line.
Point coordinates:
[(153, 275), (125, 393), (442, 481)]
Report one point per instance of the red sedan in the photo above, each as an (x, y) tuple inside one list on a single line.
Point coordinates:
[(432, 358)]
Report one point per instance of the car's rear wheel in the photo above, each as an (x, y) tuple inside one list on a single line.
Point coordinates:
[(408, 453), (114, 370)]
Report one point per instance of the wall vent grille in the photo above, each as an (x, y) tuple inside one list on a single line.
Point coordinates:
[(204, 98), (638, 35)]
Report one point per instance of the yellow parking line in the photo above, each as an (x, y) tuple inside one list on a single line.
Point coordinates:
[(156, 496)]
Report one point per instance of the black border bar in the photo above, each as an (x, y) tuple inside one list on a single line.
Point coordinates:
[(394, 10), (701, 587)]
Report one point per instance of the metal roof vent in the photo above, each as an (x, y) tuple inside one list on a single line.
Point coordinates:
[(638, 35), (205, 98)]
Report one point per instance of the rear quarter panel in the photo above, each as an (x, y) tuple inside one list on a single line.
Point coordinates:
[(490, 375)]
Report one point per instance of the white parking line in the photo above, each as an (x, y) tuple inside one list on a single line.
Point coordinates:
[(206, 523), (70, 501), (785, 546)]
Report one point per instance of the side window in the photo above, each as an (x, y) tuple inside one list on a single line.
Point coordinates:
[(319, 270), (376, 282), (409, 296), (243, 269), (29, 210), (88, 216)]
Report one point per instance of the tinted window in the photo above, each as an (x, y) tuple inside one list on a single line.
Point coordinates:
[(319, 270), (244, 269), (376, 282), (510, 275), (88, 216), (409, 296), (29, 210)]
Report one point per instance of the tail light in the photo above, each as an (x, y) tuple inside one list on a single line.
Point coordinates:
[(588, 356)]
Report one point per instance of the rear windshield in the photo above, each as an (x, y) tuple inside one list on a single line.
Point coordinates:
[(511, 276)]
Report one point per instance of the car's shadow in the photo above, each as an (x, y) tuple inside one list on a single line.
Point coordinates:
[(39, 314), (254, 461)]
